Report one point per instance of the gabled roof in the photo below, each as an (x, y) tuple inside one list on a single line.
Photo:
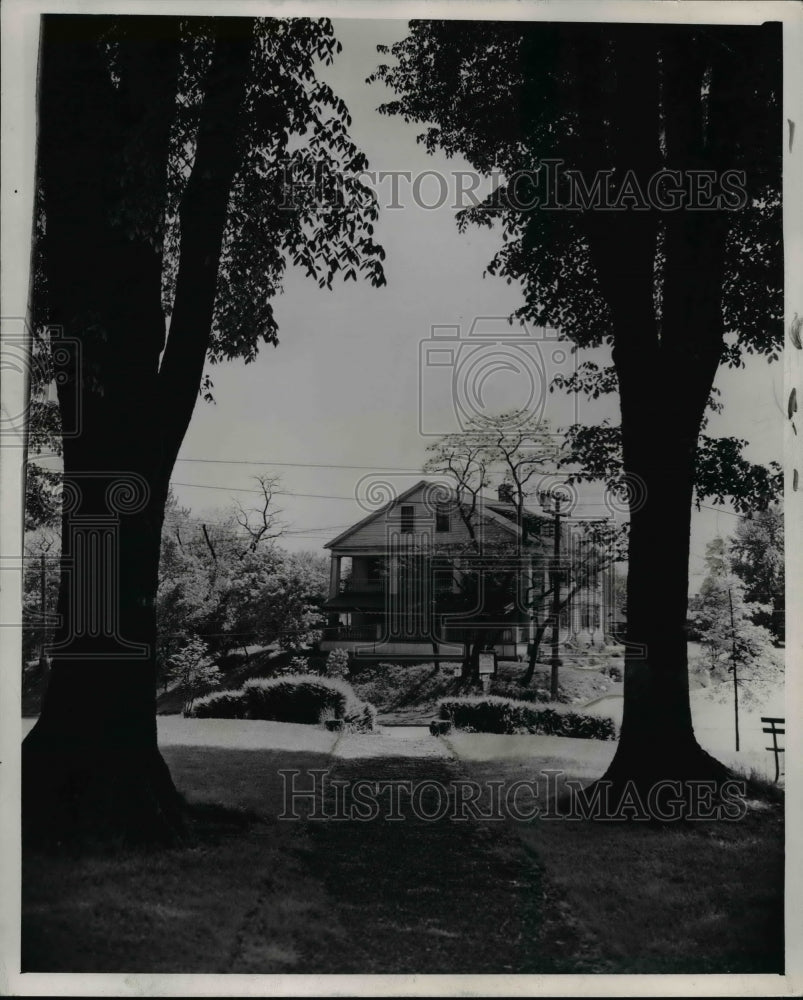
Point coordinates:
[(376, 514), (500, 513), (508, 511)]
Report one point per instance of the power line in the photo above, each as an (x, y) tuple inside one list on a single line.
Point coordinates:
[(297, 465), (722, 510), (276, 493)]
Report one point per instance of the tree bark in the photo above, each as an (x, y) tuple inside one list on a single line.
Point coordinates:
[(91, 764), (661, 420), (533, 655), (666, 359)]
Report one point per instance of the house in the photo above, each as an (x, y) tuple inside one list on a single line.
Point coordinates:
[(424, 574)]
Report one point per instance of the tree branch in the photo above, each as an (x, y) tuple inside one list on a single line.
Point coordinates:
[(202, 214)]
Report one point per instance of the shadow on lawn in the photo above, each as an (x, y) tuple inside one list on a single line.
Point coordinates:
[(250, 893), (191, 908)]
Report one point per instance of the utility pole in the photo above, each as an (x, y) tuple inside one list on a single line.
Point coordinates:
[(44, 662), (555, 660), (735, 679)]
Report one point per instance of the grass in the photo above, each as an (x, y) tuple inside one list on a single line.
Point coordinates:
[(679, 898), (439, 896), (237, 899), (254, 894), (705, 897)]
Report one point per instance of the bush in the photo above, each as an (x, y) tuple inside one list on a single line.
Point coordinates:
[(514, 690), (361, 716), (300, 698), (337, 664), (391, 686), (491, 714), (294, 699), (298, 665), (219, 705)]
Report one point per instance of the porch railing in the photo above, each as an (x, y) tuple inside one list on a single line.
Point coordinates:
[(351, 633), (362, 586)]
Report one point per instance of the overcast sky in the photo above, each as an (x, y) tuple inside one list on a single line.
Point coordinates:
[(342, 388)]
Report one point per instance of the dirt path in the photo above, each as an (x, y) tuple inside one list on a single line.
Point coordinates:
[(441, 895), (391, 741)]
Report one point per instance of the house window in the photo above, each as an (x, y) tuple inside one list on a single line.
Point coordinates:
[(442, 521), (407, 519)]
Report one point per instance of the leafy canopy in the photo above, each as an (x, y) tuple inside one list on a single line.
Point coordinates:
[(519, 100)]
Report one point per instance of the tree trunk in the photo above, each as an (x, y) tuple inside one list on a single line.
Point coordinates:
[(471, 659), (657, 738), (665, 382), (666, 356), (533, 655), (91, 765)]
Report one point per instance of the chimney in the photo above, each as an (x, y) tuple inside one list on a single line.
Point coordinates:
[(505, 493)]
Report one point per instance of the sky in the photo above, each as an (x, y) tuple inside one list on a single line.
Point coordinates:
[(344, 396)]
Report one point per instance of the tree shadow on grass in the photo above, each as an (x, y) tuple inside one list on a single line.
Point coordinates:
[(107, 907)]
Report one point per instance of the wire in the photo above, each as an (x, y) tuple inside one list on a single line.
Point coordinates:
[(276, 493), (297, 465), (722, 510)]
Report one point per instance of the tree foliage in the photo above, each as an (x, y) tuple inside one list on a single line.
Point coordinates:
[(167, 214), (757, 558), (215, 584), (727, 625), (578, 121), (192, 669), (560, 87)]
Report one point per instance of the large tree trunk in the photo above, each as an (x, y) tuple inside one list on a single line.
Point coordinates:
[(666, 360), (657, 738), (91, 765), (661, 420)]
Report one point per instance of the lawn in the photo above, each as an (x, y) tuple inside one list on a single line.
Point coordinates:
[(237, 899), (252, 893), (677, 898)]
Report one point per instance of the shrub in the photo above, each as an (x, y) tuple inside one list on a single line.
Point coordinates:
[(306, 699), (192, 669), (218, 705), (492, 714), (391, 686), (362, 717), (514, 690), (294, 698), (337, 664)]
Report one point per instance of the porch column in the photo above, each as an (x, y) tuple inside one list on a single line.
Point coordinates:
[(334, 576)]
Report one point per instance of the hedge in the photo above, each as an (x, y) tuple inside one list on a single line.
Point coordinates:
[(217, 705), (296, 698), (492, 714)]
